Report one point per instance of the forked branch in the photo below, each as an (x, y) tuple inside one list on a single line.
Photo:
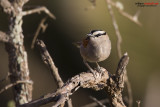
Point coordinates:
[(49, 62), (96, 81)]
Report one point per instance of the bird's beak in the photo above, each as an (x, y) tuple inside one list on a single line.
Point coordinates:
[(89, 34)]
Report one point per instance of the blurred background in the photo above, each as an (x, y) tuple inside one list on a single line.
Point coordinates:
[(76, 18)]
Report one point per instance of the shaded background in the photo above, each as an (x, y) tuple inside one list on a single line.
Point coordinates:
[(72, 24)]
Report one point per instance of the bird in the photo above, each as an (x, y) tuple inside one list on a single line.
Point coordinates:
[(94, 48)]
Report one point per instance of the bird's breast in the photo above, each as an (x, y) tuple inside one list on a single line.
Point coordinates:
[(96, 50)]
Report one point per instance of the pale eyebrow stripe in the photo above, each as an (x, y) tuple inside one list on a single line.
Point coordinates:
[(98, 32)]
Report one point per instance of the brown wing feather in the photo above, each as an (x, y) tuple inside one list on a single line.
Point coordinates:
[(85, 42)]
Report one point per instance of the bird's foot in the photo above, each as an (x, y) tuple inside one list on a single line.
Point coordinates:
[(98, 67)]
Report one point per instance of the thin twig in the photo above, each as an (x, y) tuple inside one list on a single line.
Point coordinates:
[(92, 6), (118, 5), (41, 26), (119, 41), (39, 10), (94, 104), (49, 62), (138, 103), (119, 38), (6, 78), (98, 102), (4, 37), (129, 89), (69, 102), (13, 84), (127, 15)]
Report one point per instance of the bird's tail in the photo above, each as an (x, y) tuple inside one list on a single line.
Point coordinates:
[(77, 44)]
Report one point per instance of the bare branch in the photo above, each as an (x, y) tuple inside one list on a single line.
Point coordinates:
[(121, 70), (84, 79), (4, 37), (132, 18), (19, 3), (92, 6), (125, 14), (13, 84), (118, 5), (39, 10), (119, 41), (119, 38), (4, 79), (18, 63), (49, 62), (97, 81), (69, 102), (41, 26), (98, 102), (95, 104), (7, 6), (117, 81), (129, 89), (138, 103)]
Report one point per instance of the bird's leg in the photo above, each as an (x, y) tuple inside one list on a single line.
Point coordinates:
[(98, 67), (87, 65)]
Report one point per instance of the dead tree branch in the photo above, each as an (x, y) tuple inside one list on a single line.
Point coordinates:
[(138, 103), (121, 70), (119, 6), (6, 78), (94, 104), (117, 83), (119, 41), (39, 10), (4, 37), (119, 37), (18, 63), (49, 62), (7, 6), (85, 80), (41, 26), (13, 84), (96, 81), (98, 102)]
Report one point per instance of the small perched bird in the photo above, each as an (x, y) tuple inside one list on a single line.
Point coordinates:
[(96, 47)]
